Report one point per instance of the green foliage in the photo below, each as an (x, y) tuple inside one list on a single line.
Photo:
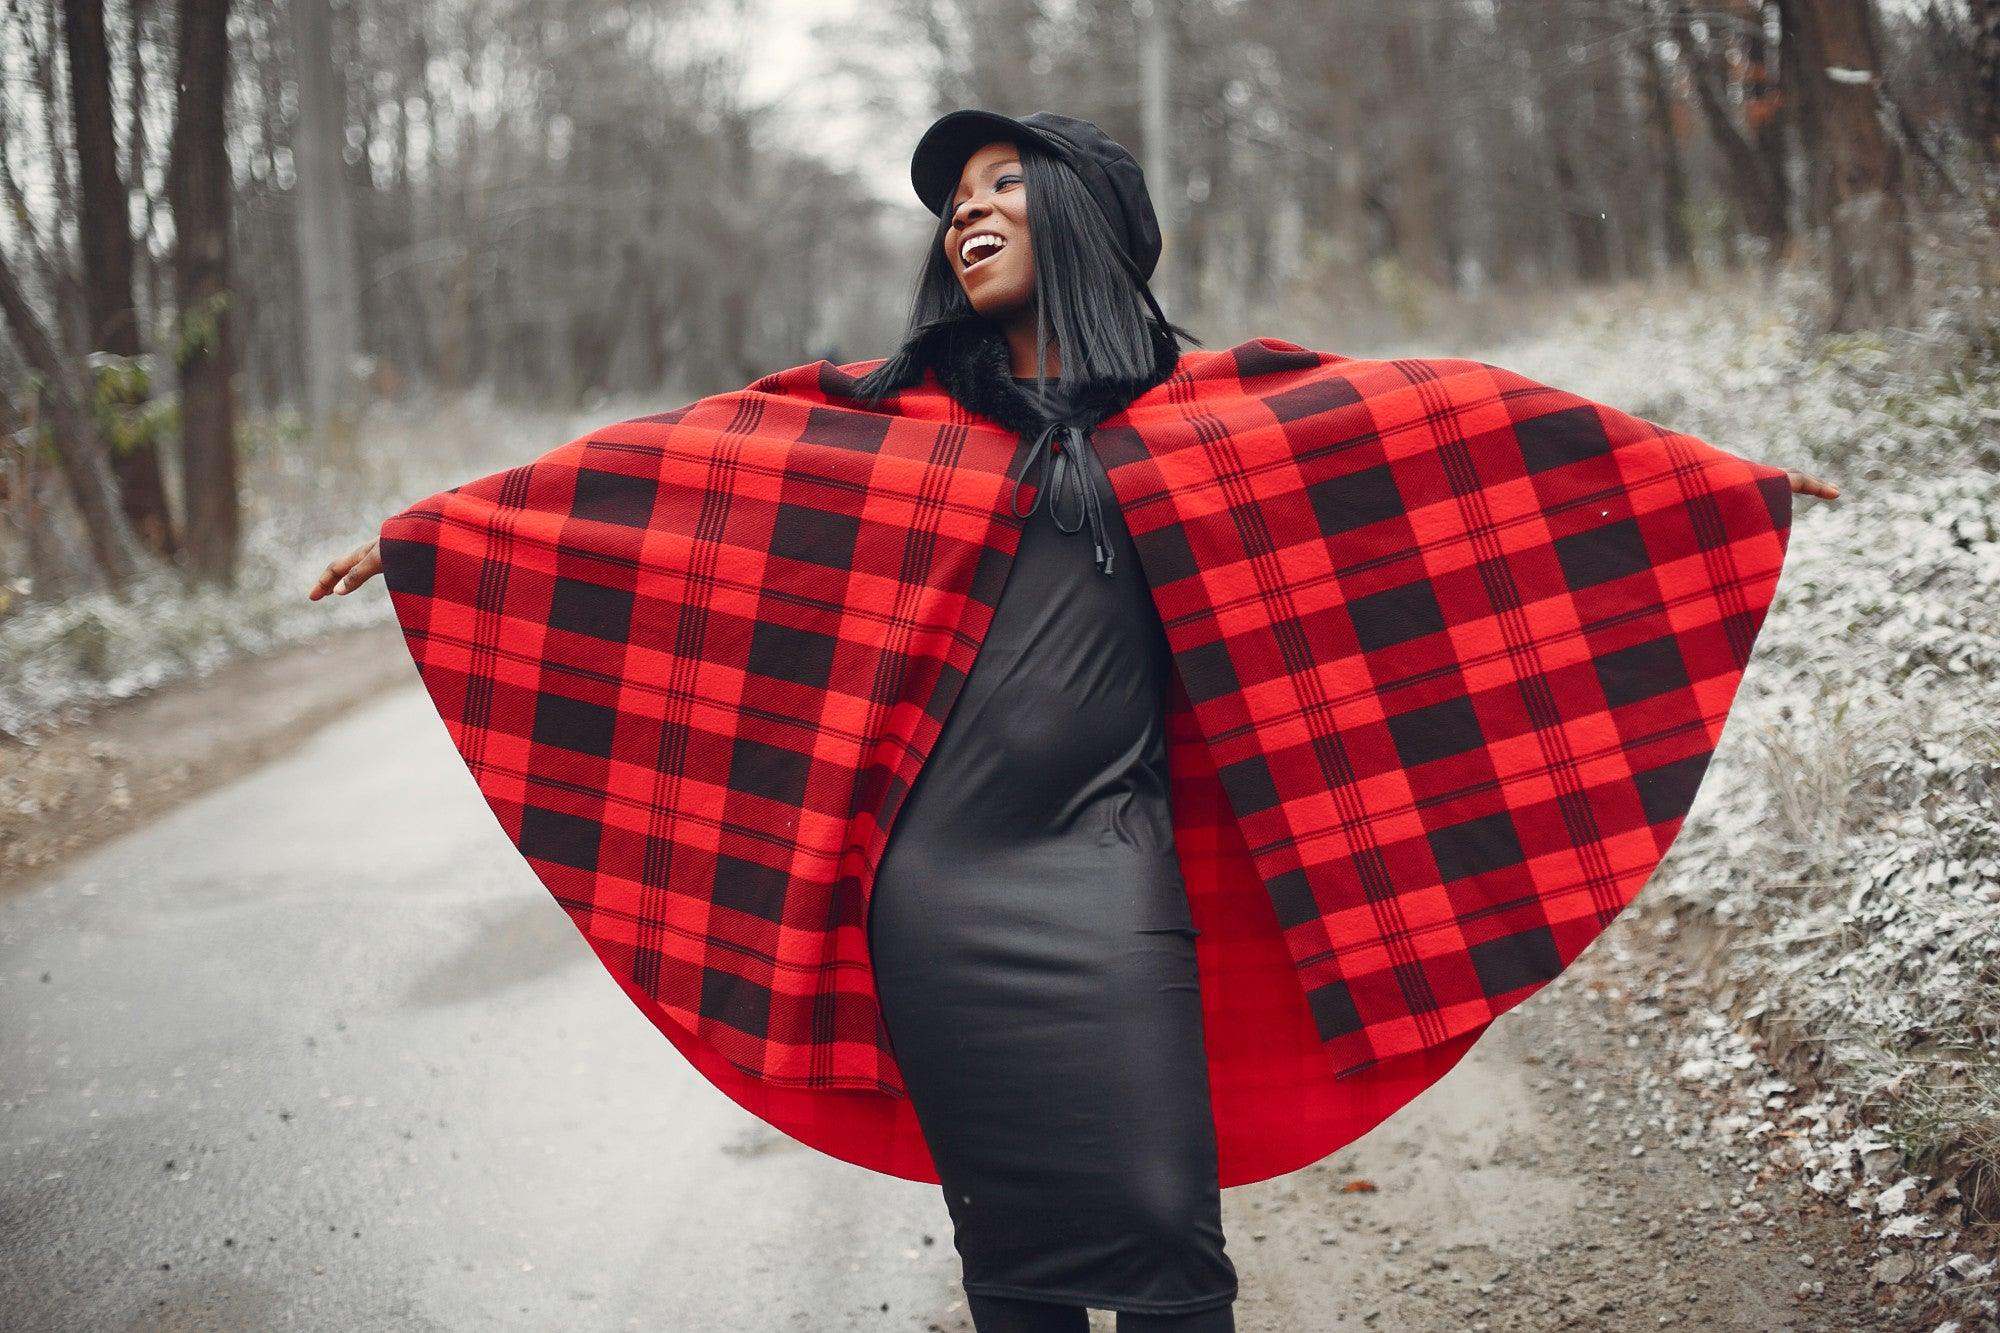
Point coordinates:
[(272, 433), (127, 414), (1862, 345), (197, 331)]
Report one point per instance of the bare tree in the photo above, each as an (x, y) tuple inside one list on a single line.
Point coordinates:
[(1668, 168), (52, 262), (1417, 179), (1986, 78), (323, 216), (104, 225), (1162, 175), (1758, 191), (90, 481), (198, 184), (1857, 166)]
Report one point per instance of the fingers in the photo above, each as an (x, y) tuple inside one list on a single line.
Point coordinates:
[(328, 577), (1806, 484), (367, 568), (370, 566), (349, 571)]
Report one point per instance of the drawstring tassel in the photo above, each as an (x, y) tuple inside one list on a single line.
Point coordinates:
[(1060, 466)]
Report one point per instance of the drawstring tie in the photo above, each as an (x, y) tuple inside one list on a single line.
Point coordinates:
[(1068, 469)]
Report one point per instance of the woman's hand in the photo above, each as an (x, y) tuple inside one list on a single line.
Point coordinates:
[(1804, 483), (350, 571)]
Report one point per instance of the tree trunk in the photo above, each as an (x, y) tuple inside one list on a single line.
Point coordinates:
[(1763, 102), (323, 219), (1163, 182), (112, 545), (53, 261), (1416, 203), (1614, 159), (1803, 111), (1576, 240), (1674, 232), (198, 185), (105, 225), (146, 280), (1758, 197), (1986, 76), (1869, 265)]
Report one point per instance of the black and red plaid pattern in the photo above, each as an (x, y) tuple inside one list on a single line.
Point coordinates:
[(1453, 650)]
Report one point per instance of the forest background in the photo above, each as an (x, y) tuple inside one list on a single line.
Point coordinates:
[(268, 273)]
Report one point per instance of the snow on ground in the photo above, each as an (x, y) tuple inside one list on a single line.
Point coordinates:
[(1842, 861)]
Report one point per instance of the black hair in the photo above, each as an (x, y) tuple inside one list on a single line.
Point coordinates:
[(1098, 309)]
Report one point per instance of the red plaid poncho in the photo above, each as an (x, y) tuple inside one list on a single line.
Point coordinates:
[(1453, 650)]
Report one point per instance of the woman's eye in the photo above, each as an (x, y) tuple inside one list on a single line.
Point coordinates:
[(1010, 176)]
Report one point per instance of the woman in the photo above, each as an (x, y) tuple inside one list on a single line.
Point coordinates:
[(1029, 916), (1029, 927)]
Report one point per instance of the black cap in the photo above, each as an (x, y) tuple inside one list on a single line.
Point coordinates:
[(1111, 174)]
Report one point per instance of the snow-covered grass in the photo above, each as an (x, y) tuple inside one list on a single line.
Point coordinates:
[(1847, 835), (60, 659)]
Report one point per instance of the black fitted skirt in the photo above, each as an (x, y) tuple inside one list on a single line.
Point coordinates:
[(1034, 952)]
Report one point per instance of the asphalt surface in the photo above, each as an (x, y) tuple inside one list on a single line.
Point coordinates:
[(317, 1051)]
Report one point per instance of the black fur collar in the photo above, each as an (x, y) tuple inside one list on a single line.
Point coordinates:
[(974, 365)]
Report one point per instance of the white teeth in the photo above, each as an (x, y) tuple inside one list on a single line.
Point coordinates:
[(984, 241)]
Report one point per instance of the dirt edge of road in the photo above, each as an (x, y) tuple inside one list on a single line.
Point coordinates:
[(130, 762)]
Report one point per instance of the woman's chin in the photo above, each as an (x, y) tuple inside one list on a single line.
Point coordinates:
[(997, 305)]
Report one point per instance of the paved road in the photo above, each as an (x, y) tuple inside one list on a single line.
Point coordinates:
[(316, 1051)]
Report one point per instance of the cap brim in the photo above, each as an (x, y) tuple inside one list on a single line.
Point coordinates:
[(940, 154)]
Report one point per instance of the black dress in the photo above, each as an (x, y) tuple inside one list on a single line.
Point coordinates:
[(1034, 951)]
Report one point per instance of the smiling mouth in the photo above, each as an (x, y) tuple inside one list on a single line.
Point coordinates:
[(984, 248)]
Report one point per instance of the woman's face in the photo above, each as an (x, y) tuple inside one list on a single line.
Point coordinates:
[(992, 200)]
